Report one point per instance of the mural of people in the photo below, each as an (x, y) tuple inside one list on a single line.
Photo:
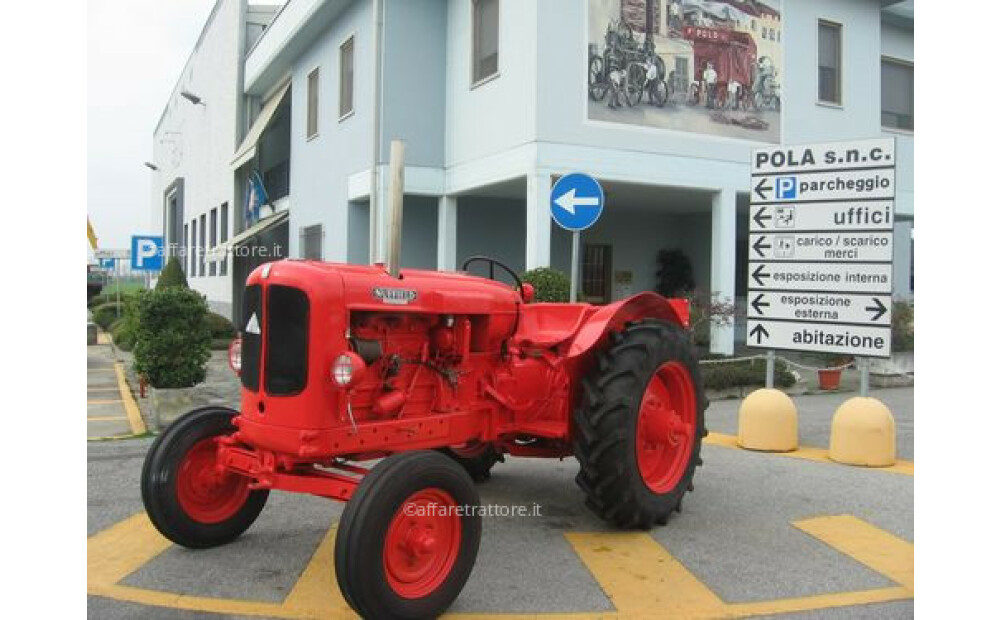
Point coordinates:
[(706, 66)]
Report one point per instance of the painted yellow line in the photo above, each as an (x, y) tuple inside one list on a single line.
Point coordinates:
[(118, 551), (131, 409), (104, 401), (820, 601), (637, 574), (103, 338), (106, 418), (873, 547), (316, 590), (808, 453)]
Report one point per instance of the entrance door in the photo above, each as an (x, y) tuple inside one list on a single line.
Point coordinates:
[(596, 277)]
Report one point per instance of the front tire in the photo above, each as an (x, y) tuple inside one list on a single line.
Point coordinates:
[(639, 425), (187, 499), (408, 538)]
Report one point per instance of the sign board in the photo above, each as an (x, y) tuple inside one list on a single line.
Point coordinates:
[(112, 254), (576, 201), (147, 253), (820, 247), (107, 263)]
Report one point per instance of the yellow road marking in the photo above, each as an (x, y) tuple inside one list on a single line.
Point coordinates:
[(875, 548), (123, 548), (103, 338), (316, 590), (104, 401), (131, 409), (808, 453), (106, 418)]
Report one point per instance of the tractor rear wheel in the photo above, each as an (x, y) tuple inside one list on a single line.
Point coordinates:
[(408, 538), (475, 457), (187, 498), (639, 425)]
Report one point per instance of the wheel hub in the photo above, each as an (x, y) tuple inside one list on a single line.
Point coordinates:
[(422, 543), (666, 427), (207, 493)]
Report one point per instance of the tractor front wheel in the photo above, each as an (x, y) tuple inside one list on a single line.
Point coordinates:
[(408, 538), (639, 425), (189, 499)]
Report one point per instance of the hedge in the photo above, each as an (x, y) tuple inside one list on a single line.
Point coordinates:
[(106, 313), (550, 284), (220, 327), (172, 337), (719, 376)]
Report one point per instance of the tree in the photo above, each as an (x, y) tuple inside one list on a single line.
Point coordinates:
[(172, 275), (675, 277)]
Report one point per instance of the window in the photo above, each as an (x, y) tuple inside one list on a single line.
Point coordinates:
[(194, 248), (212, 236), (187, 249), (347, 77), (223, 237), (897, 94), (829, 62), (311, 242), (312, 105), (596, 273), (485, 39), (201, 246)]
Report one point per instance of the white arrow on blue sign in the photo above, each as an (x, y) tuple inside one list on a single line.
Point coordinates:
[(147, 253), (576, 201)]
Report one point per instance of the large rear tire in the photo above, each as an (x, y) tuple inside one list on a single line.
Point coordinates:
[(187, 498), (408, 538), (639, 425)]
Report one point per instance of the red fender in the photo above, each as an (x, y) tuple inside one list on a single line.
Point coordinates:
[(614, 316)]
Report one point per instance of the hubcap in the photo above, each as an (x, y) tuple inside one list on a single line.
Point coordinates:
[(664, 436), (206, 491), (422, 543)]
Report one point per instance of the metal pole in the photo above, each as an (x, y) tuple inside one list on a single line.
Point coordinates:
[(864, 364), (574, 270), (118, 291), (397, 155), (769, 378)]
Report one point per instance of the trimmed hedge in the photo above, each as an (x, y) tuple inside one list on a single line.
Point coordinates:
[(108, 297), (220, 327), (172, 275), (550, 284), (743, 374), (106, 313), (172, 337)]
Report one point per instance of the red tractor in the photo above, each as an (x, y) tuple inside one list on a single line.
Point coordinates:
[(436, 376)]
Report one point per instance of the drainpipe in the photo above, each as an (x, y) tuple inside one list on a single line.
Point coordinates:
[(374, 219)]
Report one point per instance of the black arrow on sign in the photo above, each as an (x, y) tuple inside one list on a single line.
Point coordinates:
[(760, 332), (760, 189), (757, 275), (756, 304), (760, 244), (879, 309), (760, 217)]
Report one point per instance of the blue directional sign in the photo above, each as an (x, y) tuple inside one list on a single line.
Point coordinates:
[(147, 253), (576, 201), (107, 263)]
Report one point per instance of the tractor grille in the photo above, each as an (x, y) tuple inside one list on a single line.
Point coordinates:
[(287, 336), (250, 330)]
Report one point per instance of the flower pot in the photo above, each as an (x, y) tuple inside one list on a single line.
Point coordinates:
[(829, 378)]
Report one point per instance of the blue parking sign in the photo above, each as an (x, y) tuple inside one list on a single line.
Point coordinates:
[(147, 253)]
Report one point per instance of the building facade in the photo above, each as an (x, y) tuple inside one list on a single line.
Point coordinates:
[(495, 99)]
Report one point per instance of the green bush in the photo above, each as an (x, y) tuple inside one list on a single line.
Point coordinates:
[(743, 374), (220, 327), (550, 284), (123, 334), (172, 275), (108, 297), (902, 326), (675, 276), (172, 337), (106, 313)]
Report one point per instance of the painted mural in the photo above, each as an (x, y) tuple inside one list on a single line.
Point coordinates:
[(704, 66)]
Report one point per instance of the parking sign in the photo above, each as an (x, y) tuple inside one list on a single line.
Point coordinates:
[(147, 253)]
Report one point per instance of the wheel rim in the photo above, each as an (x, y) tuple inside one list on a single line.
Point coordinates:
[(422, 543), (209, 494), (666, 426)]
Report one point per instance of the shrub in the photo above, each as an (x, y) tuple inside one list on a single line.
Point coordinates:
[(172, 337), (744, 374), (550, 284), (708, 310), (220, 327), (106, 313), (675, 277), (172, 275), (108, 297), (902, 326)]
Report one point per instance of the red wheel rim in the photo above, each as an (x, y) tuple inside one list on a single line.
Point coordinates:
[(208, 493), (422, 543), (664, 436)]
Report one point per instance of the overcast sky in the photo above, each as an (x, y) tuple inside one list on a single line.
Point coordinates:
[(136, 50)]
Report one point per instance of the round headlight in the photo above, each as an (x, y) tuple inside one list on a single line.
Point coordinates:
[(236, 355), (347, 369)]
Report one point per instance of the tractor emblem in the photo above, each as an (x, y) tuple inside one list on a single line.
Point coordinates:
[(394, 296)]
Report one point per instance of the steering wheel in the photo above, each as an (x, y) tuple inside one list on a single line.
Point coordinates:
[(494, 263)]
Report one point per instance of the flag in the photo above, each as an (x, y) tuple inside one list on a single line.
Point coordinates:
[(91, 236), (256, 196)]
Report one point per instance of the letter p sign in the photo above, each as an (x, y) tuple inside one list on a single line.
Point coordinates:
[(785, 188), (147, 253)]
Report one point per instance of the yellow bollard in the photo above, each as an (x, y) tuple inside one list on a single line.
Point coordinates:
[(863, 432), (768, 421)]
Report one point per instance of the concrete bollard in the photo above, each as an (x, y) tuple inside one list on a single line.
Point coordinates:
[(863, 432), (768, 420)]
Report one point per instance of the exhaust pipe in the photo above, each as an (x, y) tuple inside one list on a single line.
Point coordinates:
[(395, 229)]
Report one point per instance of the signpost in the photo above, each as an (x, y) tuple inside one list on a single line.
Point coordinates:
[(147, 253), (820, 248), (576, 203)]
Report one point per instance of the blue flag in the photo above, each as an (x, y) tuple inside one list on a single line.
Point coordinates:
[(256, 196)]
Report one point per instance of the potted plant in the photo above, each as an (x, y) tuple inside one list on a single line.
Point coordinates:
[(829, 376)]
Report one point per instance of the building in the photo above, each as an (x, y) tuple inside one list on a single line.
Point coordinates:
[(494, 103)]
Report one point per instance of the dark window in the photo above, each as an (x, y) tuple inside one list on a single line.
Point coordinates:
[(223, 237), (250, 370), (287, 340), (194, 248), (897, 94), (347, 77), (201, 245), (213, 233), (187, 249), (596, 273), (829, 62), (311, 242), (312, 104), (485, 39)]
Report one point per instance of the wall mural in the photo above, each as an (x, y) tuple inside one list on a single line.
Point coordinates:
[(704, 66)]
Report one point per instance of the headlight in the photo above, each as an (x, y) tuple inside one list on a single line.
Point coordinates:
[(236, 355), (347, 369)]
